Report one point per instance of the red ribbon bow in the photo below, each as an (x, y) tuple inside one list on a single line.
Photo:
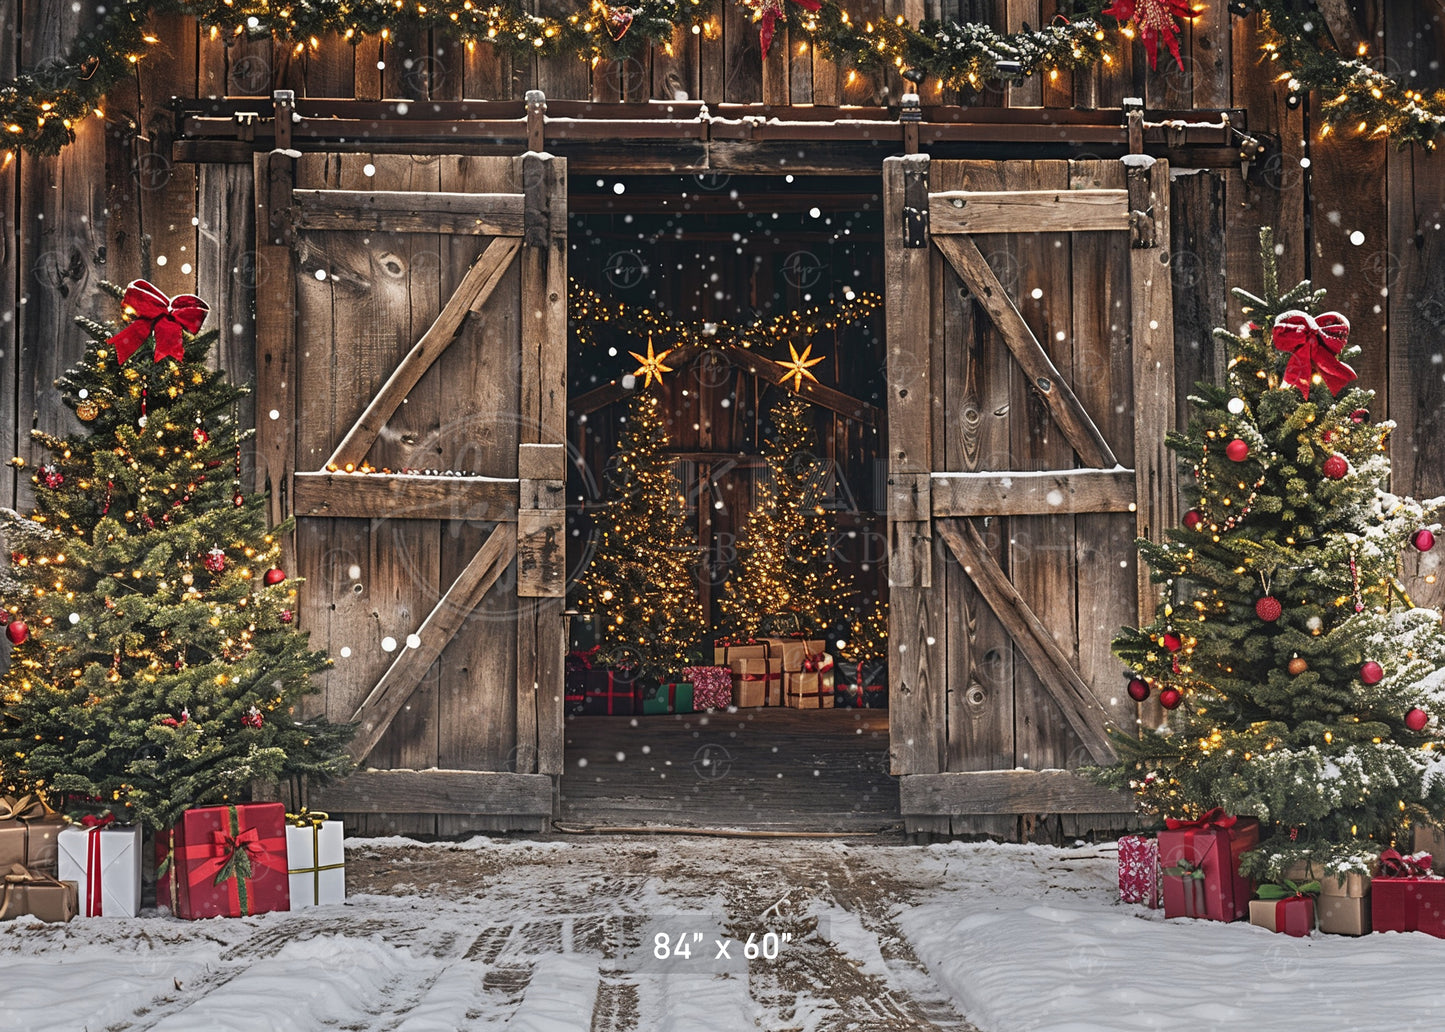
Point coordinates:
[(96, 823), (94, 891), (1214, 818), (1315, 344), (1394, 865), (161, 315)]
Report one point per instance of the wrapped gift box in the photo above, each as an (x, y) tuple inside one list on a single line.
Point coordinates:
[(808, 690), (1431, 840), (726, 655), (1139, 878), (794, 652), (1200, 862), (757, 682), (606, 694), (29, 833), (1343, 906), (315, 860), (1294, 915), (224, 861), (674, 697), (37, 894), (712, 687), (104, 860), (1405, 897), (874, 696)]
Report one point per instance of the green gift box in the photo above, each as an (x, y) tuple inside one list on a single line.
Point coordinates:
[(668, 698)]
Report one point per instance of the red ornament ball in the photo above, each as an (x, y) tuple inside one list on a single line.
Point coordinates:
[(1192, 519), (239, 500), (1416, 719), (215, 560), (1268, 609), (1171, 641), (53, 477), (1335, 467), (275, 575), (17, 631), (200, 435), (287, 616), (1237, 450), (1170, 698), (1138, 689), (1372, 672), (1424, 539), (1360, 415)]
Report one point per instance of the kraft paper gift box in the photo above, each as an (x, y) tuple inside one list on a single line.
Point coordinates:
[(794, 651), (1200, 862), (1427, 840), (315, 860), (808, 690), (28, 833), (1293, 915), (1139, 879), (104, 861), (224, 861), (757, 682), (1343, 906), (1405, 897), (726, 655), (36, 894), (673, 697)]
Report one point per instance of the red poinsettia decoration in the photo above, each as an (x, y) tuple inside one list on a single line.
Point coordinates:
[(1155, 19), (767, 12)]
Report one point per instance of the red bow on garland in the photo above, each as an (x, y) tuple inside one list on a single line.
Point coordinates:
[(1316, 344), (161, 315), (1155, 19), (1214, 818), (1394, 865), (767, 12)]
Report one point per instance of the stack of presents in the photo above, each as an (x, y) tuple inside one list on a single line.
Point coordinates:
[(1191, 869), (793, 672), (218, 861)]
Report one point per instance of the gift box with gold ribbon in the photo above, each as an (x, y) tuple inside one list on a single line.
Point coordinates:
[(28, 833), (315, 859), (37, 894)]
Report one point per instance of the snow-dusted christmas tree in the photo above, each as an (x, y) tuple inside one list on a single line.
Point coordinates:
[(1306, 688)]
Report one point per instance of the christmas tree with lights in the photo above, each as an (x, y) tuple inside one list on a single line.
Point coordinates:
[(1305, 687), (640, 582), (156, 665), (785, 580)]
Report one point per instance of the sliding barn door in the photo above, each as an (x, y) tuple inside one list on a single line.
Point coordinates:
[(412, 398), (1030, 386)]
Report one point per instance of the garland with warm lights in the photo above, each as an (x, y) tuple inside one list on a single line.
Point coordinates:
[(40, 108)]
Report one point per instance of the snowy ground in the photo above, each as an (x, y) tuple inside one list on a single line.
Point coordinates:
[(556, 936)]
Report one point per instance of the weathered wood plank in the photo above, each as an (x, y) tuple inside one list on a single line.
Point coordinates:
[(276, 370), (1033, 493), (1006, 791), (406, 211), (9, 259), (167, 188), (963, 254), (478, 285), (1029, 211), (1034, 641), (916, 700), (1210, 52), (405, 496), (438, 791), (541, 553), (375, 714)]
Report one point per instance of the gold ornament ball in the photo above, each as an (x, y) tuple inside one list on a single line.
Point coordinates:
[(1297, 666), (87, 410)]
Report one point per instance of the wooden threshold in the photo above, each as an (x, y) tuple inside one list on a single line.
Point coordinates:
[(1006, 792), (437, 791)]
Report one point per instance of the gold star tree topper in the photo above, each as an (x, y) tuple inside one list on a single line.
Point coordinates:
[(797, 369), (652, 367)]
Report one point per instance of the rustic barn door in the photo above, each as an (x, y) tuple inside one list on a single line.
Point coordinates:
[(1030, 384), (412, 398)]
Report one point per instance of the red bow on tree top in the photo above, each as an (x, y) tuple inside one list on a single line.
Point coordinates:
[(1316, 344), (165, 316)]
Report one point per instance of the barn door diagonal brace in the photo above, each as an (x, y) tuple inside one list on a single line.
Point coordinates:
[(1033, 639), (401, 679)]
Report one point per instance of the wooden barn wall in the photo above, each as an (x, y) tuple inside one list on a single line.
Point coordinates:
[(1358, 216)]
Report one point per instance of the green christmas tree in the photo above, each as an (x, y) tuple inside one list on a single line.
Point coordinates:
[(1306, 688), (785, 580), (156, 664), (640, 581)]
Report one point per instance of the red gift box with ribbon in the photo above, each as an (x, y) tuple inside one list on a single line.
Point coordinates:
[(1406, 897), (606, 694), (1200, 861), (224, 861), (1139, 870), (1292, 915)]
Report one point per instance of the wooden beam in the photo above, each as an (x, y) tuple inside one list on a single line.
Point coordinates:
[(1007, 791), (437, 791), (844, 404), (1043, 493), (408, 211), (275, 337), (481, 279), (405, 496), (1342, 25), (1029, 211), (375, 714), (963, 254), (1032, 638)]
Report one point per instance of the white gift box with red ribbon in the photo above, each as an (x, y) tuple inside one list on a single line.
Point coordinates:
[(104, 862)]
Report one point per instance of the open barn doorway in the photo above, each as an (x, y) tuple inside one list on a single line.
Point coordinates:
[(747, 311)]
